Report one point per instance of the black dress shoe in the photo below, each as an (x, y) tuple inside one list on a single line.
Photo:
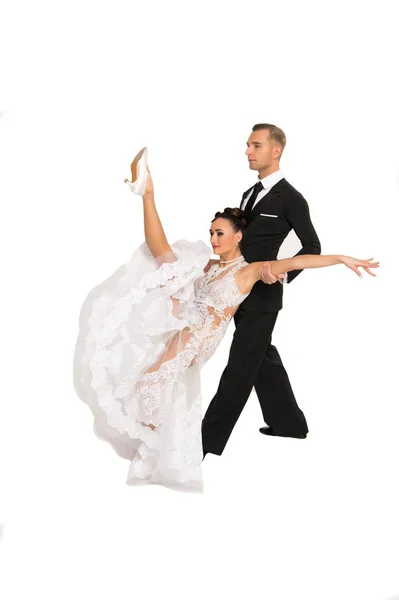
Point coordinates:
[(270, 431)]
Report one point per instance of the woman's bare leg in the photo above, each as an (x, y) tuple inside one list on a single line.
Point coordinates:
[(175, 345), (158, 245), (153, 229)]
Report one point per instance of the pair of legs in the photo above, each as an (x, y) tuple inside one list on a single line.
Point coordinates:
[(253, 361)]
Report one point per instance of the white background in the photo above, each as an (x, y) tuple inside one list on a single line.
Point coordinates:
[(83, 86)]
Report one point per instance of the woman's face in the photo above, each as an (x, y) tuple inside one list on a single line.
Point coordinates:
[(223, 236)]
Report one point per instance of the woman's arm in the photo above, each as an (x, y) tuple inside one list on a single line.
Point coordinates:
[(311, 261), (253, 272)]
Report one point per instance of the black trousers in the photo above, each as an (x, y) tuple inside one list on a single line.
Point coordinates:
[(253, 361)]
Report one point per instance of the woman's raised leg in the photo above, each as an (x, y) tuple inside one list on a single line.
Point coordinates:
[(153, 229)]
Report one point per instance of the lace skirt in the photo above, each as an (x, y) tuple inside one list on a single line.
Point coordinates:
[(136, 371)]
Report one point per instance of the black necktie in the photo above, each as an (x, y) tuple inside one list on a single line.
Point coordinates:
[(251, 201)]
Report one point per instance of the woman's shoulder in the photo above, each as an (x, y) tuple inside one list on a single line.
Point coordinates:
[(246, 277)]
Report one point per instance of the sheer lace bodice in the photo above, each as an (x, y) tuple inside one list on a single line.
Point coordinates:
[(220, 292), (216, 301)]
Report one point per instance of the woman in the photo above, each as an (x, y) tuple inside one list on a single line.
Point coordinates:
[(146, 332)]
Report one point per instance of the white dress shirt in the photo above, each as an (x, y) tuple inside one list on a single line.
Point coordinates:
[(268, 182)]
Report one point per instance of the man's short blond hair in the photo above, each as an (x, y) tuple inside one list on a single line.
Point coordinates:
[(276, 134)]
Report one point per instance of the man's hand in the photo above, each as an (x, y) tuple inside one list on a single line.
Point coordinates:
[(267, 276)]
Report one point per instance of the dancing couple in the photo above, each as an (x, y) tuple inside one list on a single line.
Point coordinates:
[(146, 332)]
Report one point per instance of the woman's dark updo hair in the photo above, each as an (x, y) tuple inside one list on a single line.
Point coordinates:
[(236, 216)]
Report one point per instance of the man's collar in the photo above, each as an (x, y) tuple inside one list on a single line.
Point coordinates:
[(271, 179)]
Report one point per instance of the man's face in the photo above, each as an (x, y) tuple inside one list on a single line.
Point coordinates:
[(261, 153)]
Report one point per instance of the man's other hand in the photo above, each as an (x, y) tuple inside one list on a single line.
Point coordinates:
[(267, 275)]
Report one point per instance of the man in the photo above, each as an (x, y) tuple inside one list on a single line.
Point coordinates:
[(272, 208)]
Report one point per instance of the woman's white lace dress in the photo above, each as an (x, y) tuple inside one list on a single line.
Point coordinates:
[(144, 335)]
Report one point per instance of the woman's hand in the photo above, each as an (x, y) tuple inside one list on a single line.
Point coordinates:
[(207, 267), (354, 263), (210, 264)]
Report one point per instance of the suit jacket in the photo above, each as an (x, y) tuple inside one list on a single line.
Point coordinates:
[(283, 208)]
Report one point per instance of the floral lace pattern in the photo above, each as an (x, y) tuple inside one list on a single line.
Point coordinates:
[(145, 334)]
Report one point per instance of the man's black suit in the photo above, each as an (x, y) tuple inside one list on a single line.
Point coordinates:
[(253, 360)]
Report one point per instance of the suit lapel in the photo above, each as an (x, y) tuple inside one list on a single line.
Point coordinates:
[(274, 192)]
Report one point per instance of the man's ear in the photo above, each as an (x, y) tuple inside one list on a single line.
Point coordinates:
[(277, 151)]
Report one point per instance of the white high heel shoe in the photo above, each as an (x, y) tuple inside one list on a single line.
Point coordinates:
[(139, 172)]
